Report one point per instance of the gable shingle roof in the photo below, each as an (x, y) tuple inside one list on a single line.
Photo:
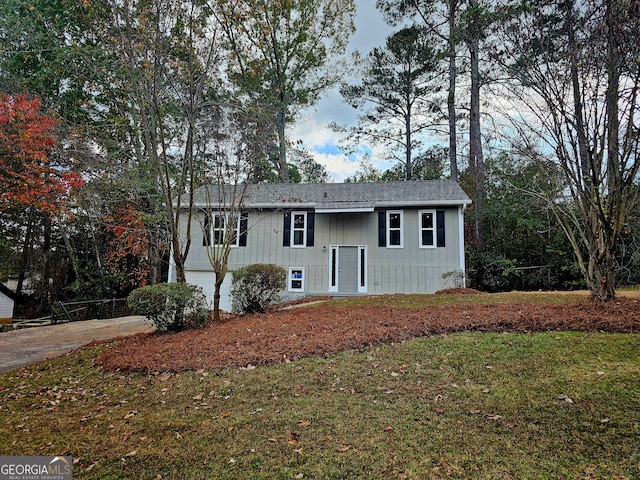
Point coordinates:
[(346, 196), (7, 292)]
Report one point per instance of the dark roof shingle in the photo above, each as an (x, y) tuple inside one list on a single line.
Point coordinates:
[(336, 196)]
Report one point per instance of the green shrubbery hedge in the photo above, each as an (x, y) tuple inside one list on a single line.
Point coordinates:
[(171, 307), (255, 288)]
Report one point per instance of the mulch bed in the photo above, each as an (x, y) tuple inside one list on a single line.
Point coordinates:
[(319, 331)]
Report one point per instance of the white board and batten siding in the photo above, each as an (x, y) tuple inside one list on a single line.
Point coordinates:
[(6, 308)]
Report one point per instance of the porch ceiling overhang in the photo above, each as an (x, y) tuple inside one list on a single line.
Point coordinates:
[(345, 207)]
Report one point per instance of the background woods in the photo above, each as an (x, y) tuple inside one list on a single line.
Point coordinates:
[(113, 112)]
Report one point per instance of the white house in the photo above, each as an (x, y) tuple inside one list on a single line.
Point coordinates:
[(338, 238), (6, 304)]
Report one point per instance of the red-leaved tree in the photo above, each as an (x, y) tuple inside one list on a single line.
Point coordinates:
[(27, 175), (128, 250)]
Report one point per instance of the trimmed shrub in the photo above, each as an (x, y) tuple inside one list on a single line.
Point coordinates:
[(172, 307), (255, 288)]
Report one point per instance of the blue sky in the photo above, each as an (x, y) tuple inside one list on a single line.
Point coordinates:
[(311, 128)]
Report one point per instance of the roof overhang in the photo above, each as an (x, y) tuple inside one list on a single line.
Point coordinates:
[(429, 203), (345, 210), (345, 207)]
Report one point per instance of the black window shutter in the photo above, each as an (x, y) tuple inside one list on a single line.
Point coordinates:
[(382, 228), (206, 231), (286, 236), (244, 223), (440, 227), (310, 227)]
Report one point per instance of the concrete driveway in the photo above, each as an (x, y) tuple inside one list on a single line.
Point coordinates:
[(31, 345)]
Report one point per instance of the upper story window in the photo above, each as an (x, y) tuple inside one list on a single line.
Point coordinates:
[(223, 224), (298, 229), (395, 225), (427, 228)]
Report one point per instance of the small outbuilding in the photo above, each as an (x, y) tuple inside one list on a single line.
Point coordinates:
[(7, 299)]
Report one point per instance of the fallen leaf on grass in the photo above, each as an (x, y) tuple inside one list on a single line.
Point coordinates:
[(344, 448), (294, 437), (439, 411), (388, 428), (132, 453), (126, 436), (304, 423), (605, 420), (299, 476), (474, 412), (493, 417), (565, 398), (131, 414)]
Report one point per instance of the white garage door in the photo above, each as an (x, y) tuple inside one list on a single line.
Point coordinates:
[(205, 280)]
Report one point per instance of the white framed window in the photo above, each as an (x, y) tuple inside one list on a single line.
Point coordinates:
[(427, 228), (225, 224), (296, 279), (298, 229), (395, 224)]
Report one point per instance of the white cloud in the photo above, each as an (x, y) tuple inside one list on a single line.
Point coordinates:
[(338, 165)]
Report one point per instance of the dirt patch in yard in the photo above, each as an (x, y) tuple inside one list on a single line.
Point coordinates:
[(326, 329)]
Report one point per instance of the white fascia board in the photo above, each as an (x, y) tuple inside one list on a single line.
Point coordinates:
[(345, 210), (430, 203)]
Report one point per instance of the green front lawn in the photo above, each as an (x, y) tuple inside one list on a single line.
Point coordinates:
[(471, 405)]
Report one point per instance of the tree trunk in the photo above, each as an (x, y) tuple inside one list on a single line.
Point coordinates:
[(283, 170), (216, 294), (586, 166), (26, 246), (476, 158), (451, 97), (178, 261), (408, 150), (72, 256), (602, 261)]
